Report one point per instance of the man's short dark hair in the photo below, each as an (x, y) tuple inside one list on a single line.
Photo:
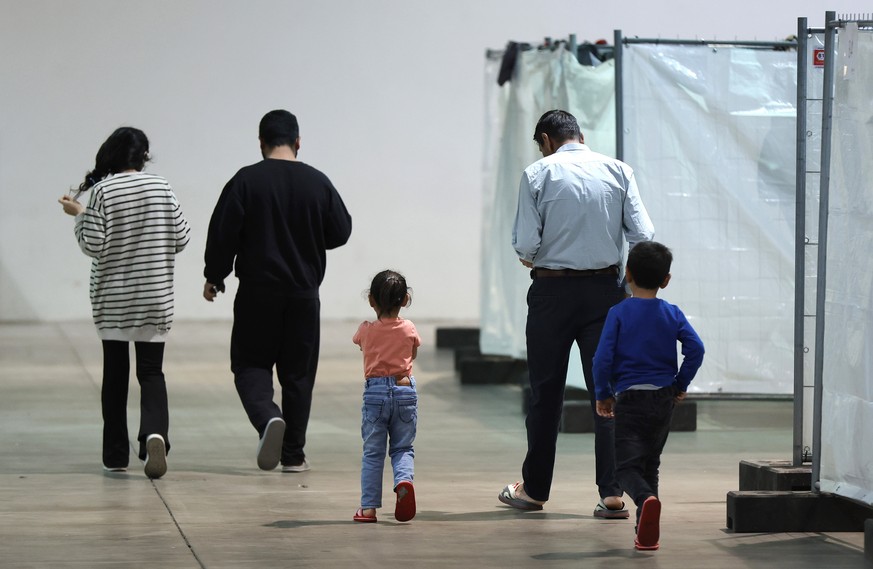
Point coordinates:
[(278, 128), (561, 126), (649, 263)]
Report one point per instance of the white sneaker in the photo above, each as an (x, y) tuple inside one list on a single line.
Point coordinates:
[(270, 445), (114, 469), (302, 467), (156, 456)]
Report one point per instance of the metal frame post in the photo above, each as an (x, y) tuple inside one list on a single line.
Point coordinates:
[(800, 241), (826, 124), (619, 96)]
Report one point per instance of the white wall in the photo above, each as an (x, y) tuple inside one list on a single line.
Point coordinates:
[(389, 96)]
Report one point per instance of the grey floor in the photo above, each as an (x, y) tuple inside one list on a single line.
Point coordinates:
[(214, 508)]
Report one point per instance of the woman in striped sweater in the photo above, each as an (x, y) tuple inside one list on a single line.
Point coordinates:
[(132, 228)]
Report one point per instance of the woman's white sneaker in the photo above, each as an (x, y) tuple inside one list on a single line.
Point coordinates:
[(156, 456)]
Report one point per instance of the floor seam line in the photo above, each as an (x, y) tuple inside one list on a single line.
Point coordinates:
[(178, 527)]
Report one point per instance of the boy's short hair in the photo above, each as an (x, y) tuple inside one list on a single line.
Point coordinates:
[(649, 263)]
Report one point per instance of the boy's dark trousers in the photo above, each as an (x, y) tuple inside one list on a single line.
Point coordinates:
[(642, 423)]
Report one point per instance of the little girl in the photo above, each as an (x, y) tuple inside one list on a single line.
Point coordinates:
[(390, 401)]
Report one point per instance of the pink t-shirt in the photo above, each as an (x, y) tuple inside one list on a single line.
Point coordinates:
[(387, 347)]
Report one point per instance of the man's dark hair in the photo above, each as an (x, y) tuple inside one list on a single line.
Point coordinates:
[(649, 263), (278, 128), (561, 126)]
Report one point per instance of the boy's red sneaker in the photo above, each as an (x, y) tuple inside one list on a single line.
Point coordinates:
[(649, 529)]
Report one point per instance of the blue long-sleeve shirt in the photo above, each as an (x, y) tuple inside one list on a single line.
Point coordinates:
[(638, 347)]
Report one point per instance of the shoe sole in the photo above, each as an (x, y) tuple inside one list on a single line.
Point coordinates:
[(608, 514), (404, 508), (270, 445), (649, 529), (639, 547), (295, 469), (517, 503), (156, 458)]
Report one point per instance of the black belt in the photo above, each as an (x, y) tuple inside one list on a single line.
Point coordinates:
[(539, 273)]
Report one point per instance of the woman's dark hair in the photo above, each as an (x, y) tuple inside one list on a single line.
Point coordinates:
[(278, 128), (649, 263), (126, 149), (388, 290), (560, 125)]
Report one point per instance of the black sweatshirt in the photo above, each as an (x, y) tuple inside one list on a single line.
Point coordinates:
[(277, 218)]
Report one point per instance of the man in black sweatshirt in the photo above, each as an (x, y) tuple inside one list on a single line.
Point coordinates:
[(276, 218)]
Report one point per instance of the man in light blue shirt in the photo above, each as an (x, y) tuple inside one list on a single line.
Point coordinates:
[(575, 210)]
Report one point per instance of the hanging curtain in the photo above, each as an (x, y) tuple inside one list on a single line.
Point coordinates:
[(542, 80), (710, 134), (847, 382)]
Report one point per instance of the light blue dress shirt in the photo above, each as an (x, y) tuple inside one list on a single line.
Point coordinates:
[(574, 208)]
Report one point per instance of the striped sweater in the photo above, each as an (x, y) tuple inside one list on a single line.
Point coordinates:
[(132, 227)]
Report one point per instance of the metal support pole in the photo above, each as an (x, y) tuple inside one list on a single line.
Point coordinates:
[(619, 96), (735, 43), (800, 241), (821, 286)]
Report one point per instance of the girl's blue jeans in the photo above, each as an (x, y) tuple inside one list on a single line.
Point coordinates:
[(388, 421)]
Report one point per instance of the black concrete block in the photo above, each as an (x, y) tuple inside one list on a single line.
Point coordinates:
[(570, 394), (868, 542), (684, 417), (491, 369), (578, 418), (774, 475), (780, 512), (457, 337), (525, 399), (573, 393), (466, 353), (524, 382)]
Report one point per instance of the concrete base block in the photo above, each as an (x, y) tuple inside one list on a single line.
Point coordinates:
[(868, 542), (457, 337), (578, 418), (466, 353), (570, 394), (684, 417), (491, 369), (780, 512), (774, 475), (525, 399)]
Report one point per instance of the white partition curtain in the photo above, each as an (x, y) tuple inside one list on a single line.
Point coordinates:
[(847, 380), (710, 133), (542, 80)]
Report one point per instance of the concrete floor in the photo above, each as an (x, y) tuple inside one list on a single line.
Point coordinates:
[(214, 508)]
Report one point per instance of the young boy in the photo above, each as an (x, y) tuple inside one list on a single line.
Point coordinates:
[(637, 381)]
